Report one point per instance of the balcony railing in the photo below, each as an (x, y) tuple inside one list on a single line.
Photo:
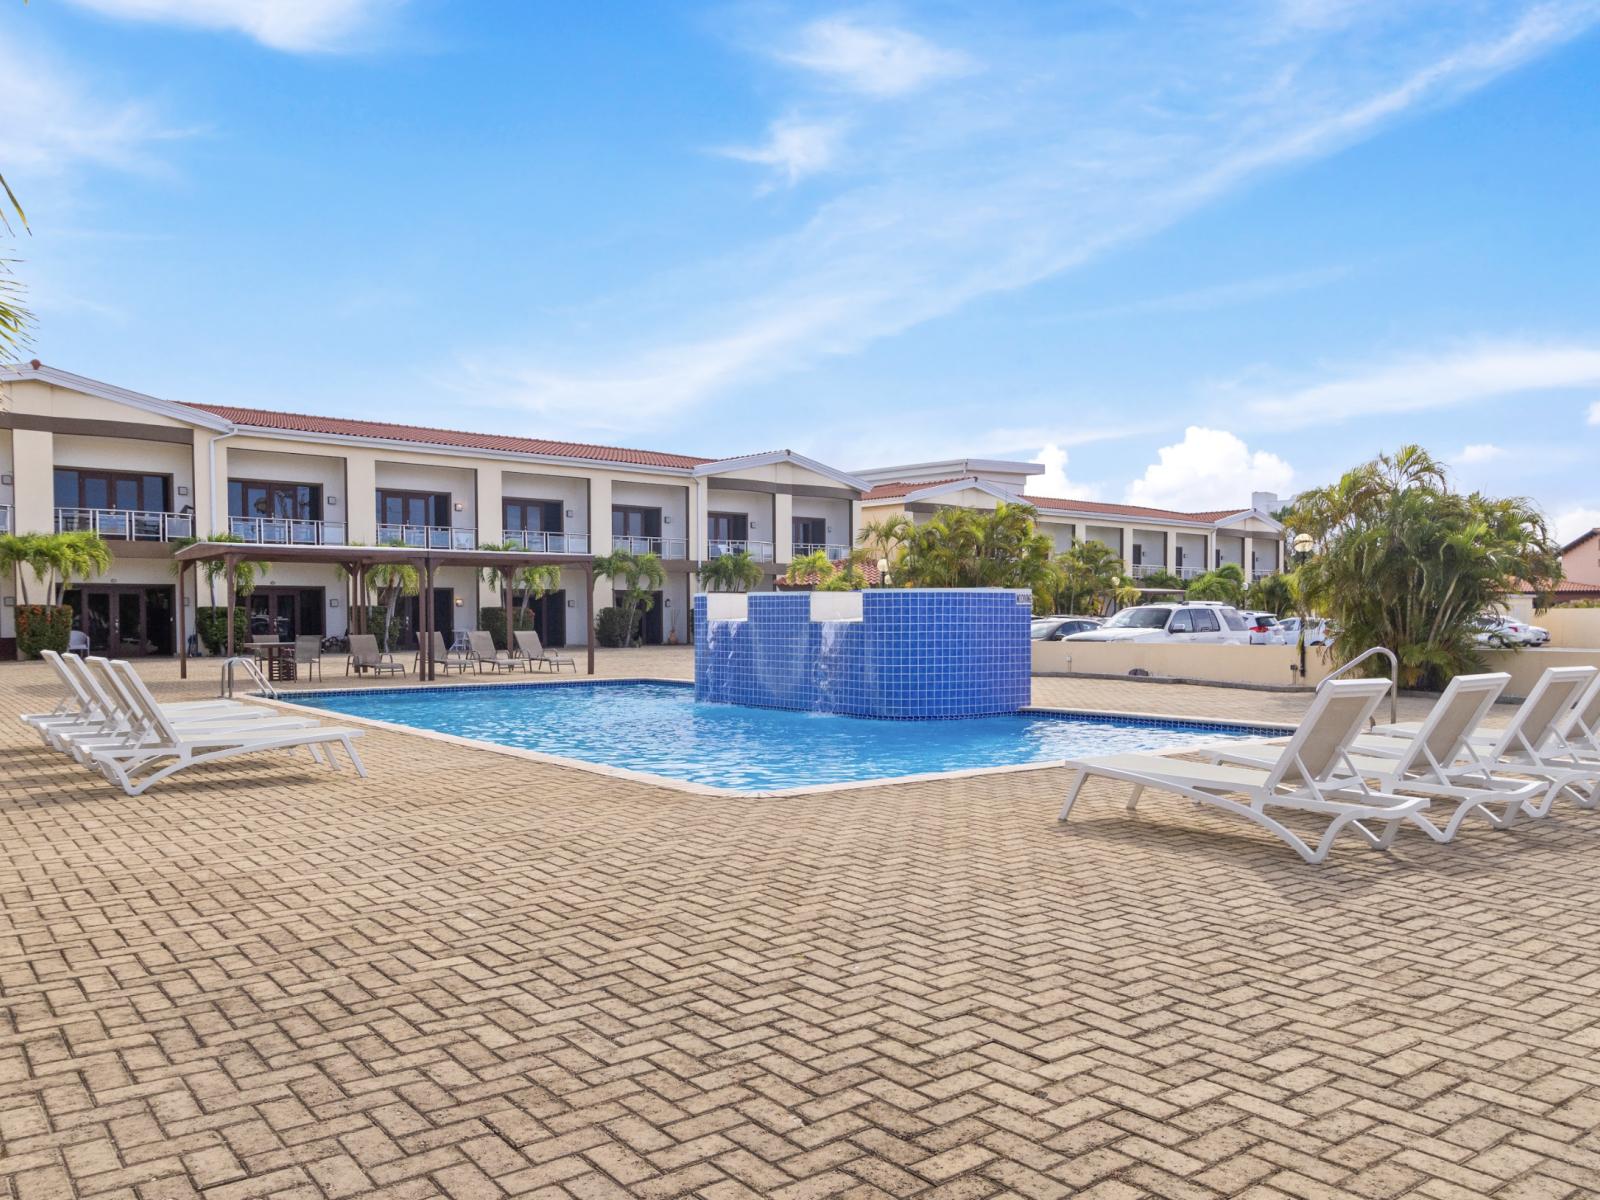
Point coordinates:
[(548, 542), (5, 518), (428, 537), (1145, 570), (285, 531), (122, 524), (834, 553), (661, 547), (760, 551)]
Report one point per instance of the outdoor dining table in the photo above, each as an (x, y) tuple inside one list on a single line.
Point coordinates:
[(279, 657)]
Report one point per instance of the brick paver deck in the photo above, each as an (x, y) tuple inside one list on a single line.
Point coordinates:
[(474, 976)]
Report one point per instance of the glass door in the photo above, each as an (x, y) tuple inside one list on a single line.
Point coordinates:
[(97, 620), (129, 630)]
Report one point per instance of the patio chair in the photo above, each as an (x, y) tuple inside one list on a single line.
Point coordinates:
[(171, 748), (1424, 764), (485, 655), (443, 657), (1311, 775), (308, 655), (534, 652), (365, 656)]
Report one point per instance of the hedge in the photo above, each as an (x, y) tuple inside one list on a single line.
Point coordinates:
[(491, 618), (42, 627), (211, 623), (611, 625)]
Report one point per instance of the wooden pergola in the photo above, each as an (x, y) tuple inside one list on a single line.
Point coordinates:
[(357, 561)]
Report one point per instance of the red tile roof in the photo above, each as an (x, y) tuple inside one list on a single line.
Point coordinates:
[(260, 418), (891, 491), (1566, 587)]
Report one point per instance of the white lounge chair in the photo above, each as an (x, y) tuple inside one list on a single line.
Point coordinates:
[(534, 653), (1425, 763), (173, 749), (1310, 775), (485, 655), (1532, 744), (90, 708)]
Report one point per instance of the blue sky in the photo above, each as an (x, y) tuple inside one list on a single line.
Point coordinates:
[(1175, 250)]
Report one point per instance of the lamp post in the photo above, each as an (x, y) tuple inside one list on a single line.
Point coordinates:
[(1303, 545)]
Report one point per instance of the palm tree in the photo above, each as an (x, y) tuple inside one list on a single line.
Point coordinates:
[(961, 547), (1226, 584), (1402, 561), (390, 581), (640, 576), (15, 319), (55, 560), (883, 538), (1086, 576), (736, 572), (526, 582), (216, 570), (804, 567), (77, 555)]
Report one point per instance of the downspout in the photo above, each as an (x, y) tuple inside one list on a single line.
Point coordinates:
[(211, 450)]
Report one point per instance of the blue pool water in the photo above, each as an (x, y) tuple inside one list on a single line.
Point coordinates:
[(660, 729)]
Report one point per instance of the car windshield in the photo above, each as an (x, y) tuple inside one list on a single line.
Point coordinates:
[(1043, 629), (1139, 618)]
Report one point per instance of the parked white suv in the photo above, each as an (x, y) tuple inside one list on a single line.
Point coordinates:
[(1201, 621), (1265, 629)]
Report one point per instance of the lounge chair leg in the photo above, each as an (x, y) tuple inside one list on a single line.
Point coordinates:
[(1133, 796), (1072, 794)]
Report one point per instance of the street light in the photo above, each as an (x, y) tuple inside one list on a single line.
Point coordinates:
[(1303, 545)]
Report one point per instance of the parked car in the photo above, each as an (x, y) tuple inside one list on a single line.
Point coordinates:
[(1265, 629), (1492, 629), (1053, 629), (1318, 632), (1201, 621), (1538, 635)]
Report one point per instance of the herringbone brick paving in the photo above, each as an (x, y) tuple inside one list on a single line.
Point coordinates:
[(476, 976)]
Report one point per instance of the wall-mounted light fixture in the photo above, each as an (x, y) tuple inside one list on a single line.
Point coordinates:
[(333, 602), (571, 514), (332, 501), (460, 506), (666, 520), (5, 479), (182, 491), (460, 603), (572, 604), (11, 601)]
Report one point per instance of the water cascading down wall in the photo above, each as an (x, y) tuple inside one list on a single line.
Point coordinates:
[(895, 652)]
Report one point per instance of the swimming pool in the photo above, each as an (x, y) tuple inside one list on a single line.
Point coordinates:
[(658, 728)]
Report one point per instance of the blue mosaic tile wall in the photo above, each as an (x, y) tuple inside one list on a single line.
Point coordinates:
[(916, 653)]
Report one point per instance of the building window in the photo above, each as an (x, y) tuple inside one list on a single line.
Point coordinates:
[(727, 527), (413, 508), (274, 500), (118, 490), (633, 522), (533, 516), (810, 531)]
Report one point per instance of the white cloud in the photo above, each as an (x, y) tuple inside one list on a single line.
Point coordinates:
[(1479, 452), (1054, 481), (294, 25), (1567, 525), (873, 60), (1440, 381), (998, 181), (1594, 413), (1209, 469), (793, 149)]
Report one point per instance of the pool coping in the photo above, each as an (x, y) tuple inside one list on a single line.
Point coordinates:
[(701, 789)]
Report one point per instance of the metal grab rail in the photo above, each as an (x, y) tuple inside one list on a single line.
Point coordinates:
[(134, 525), (251, 669), (1394, 676)]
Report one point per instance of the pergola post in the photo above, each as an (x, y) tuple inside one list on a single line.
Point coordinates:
[(183, 640), (233, 596), (588, 590), (427, 653)]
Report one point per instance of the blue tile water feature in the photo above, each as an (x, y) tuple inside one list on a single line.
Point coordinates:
[(907, 653)]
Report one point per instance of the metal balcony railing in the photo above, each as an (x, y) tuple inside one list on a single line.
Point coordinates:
[(122, 524), (759, 551), (428, 537), (287, 531), (661, 547), (1188, 572), (834, 553), (548, 542), (1145, 570)]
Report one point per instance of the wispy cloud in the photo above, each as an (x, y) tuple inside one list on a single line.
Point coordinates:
[(1222, 295), (1567, 524), (874, 60), (794, 148), (1442, 380), (298, 26), (999, 179), (1594, 413)]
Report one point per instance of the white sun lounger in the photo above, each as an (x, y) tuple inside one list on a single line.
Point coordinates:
[(1532, 744), (99, 711), (174, 749), (1424, 763), (1310, 775)]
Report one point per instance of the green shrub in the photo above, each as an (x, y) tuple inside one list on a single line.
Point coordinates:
[(212, 626), (378, 625), (611, 626), (492, 618), (42, 627)]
